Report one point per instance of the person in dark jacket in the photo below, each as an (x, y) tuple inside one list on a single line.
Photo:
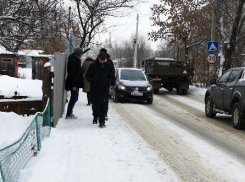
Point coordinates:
[(74, 80), (101, 76), (111, 63), (86, 88)]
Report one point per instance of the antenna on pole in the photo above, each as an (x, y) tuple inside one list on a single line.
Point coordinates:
[(136, 43)]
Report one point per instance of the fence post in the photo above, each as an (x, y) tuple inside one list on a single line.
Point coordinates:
[(47, 87)]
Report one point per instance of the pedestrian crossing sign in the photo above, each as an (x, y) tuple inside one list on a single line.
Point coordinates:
[(213, 47)]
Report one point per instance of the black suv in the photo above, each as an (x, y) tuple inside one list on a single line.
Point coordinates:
[(227, 96)]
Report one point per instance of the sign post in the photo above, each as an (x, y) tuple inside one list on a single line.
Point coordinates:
[(212, 56)]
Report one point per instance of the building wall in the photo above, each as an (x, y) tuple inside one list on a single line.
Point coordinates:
[(9, 68), (37, 67)]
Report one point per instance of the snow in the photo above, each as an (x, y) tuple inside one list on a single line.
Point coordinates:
[(25, 87), (4, 51), (25, 72), (26, 52), (48, 64), (78, 151), (197, 91), (85, 152), (12, 126)]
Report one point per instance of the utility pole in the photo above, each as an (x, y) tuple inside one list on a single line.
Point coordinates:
[(212, 67), (136, 42)]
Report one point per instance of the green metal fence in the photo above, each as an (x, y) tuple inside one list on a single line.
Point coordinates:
[(14, 157)]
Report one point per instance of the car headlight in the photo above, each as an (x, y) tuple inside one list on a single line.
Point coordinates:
[(121, 87), (149, 88)]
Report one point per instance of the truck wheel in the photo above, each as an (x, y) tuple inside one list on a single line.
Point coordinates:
[(156, 91), (178, 91), (209, 108), (115, 97), (237, 116), (170, 89)]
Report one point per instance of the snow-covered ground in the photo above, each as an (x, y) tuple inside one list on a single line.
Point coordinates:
[(78, 151), (25, 72)]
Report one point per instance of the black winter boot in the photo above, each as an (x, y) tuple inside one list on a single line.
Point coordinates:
[(95, 120)]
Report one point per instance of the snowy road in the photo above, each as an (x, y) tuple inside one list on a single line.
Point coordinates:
[(195, 147)]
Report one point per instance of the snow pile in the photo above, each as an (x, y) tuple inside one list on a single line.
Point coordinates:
[(197, 91), (25, 73), (12, 127), (30, 88)]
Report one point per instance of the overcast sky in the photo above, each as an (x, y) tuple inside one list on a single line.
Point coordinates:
[(126, 26)]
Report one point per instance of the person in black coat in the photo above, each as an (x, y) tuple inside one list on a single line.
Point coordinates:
[(74, 80), (101, 76), (111, 63)]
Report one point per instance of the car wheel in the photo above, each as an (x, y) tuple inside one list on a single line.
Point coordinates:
[(209, 108), (150, 101), (156, 91), (115, 97), (184, 91), (237, 116)]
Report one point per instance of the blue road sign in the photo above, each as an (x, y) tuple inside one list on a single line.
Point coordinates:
[(213, 47)]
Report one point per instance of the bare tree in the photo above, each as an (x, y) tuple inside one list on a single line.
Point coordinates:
[(236, 33), (93, 13), (125, 52), (28, 23)]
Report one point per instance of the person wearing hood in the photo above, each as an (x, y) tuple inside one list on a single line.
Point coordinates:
[(74, 79), (111, 63), (101, 76)]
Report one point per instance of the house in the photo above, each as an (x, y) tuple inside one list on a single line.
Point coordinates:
[(35, 59), (8, 63), (25, 58)]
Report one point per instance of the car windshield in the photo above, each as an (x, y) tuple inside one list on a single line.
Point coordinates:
[(133, 75)]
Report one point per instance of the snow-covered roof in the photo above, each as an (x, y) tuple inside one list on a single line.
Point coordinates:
[(4, 51), (26, 52), (33, 53)]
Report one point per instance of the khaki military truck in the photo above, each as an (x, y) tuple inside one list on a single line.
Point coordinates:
[(169, 74)]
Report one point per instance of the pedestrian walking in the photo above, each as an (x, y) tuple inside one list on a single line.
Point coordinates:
[(74, 79), (101, 76), (86, 87), (111, 63)]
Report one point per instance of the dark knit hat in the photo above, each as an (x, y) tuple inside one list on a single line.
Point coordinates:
[(103, 50), (78, 51)]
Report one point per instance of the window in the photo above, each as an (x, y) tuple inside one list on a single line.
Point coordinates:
[(223, 79), (7, 60), (234, 76), (7, 64), (133, 75), (161, 63)]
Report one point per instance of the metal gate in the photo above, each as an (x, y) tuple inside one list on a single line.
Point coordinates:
[(59, 98)]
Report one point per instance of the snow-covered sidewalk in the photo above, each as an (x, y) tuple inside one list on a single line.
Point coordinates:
[(78, 151)]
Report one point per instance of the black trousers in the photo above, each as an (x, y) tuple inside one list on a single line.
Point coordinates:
[(99, 106), (89, 97), (107, 106), (72, 101)]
